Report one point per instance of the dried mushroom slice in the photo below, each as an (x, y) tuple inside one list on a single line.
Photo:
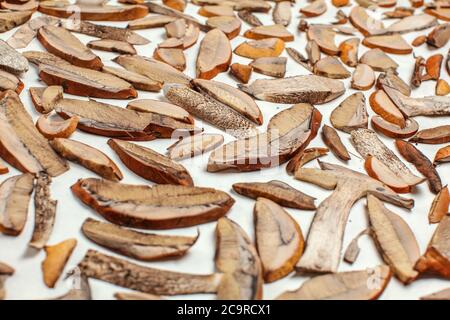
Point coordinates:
[(282, 13), (349, 51), (9, 81), (216, 10), (168, 11), (442, 155), (299, 58), (21, 144), (412, 23), (273, 31), (161, 108), (378, 60), (11, 19), (270, 66), (176, 29), (250, 18), (179, 5), (149, 22), (87, 156), (45, 99), (333, 141), (11, 60), (392, 80), (436, 135), (382, 105), (439, 207), (365, 23), (5, 272), (172, 56), (324, 37), (237, 259), (388, 43), (57, 257), (270, 47), (171, 43), (440, 13), (241, 72), (392, 130), (331, 67), (138, 81), (52, 128), (15, 194), (214, 55), (134, 244), (314, 9), (439, 36), (303, 157), (231, 26), (189, 147), (157, 207), (442, 87), (363, 77), (112, 46), (350, 114)]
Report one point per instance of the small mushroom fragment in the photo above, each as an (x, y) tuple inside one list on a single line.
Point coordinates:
[(241, 72), (314, 9), (351, 114), (331, 67), (442, 155), (5, 272), (44, 210), (60, 42), (238, 260), (87, 156), (422, 164), (136, 296), (191, 36), (172, 56), (333, 141), (134, 244), (279, 239), (418, 41), (11, 19), (300, 89), (442, 87), (349, 51), (394, 131), (270, 47), (156, 207), (250, 18), (49, 98), (363, 77), (15, 193), (150, 164), (324, 37), (378, 60), (436, 259), (214, 55), (302, 158), (332, 214), (365, 23), (282, 13), (52, 128), (171, 43), (57, 257), (270, 66), (121, 47), (11, 60), (9, 81), (299, 58), (189, 147), (149, 22), (440, 295), (439, 207), (436, 135), (216, 10), (138, 81), (176, 29), (350, 285), (388, 43), (145, 279), (272, 31), (440, 35), (352, 251), (179, 5), (231, 26), (161, 108), (392, 80), (433, 67), (412, 23), (399, 12), (383, 106), (313, 52)]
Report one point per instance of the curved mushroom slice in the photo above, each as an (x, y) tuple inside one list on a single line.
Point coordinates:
[(30, 5), (161, 108), (231, 26), (94, 13), (238, 260), (378, 60), (282, 13), (313, 52), (63, 44), (442, 155), (157, 207), (352, 251), (192, 146), (153, 69), (394, 131), (176, 29), (21, 144), (412, 23), (152, 21), (288, 132), (270, 47), (440, 295), (436, 135), (395, 240), (138, 81), (333, 141), (383, 106), (45, 99), (331, 67), (40, 57), (418, 41), (250, 18), (273, 31), (253, 6), (299, 58), (150, 164), (436, 259), (214, 55), (145, 279), (15, 194), (392, 80), (350, 285), (216, 10), (302, 158), (300, 89), (241, 72), (10, 82), (270, 66), (179, 5), (5, 272), (52, 128), (314, 9), (440, 36), (121, 47), (9, 20), (388, 43), (87, 156), (439, 207), (364, 23), (276, 191), (324, 37), (11, 60), (57, 257), (351, 114), (349, 51), (363, 77), (440, 13), (136, 245), (279, 239), (171, 43), (172, 56)]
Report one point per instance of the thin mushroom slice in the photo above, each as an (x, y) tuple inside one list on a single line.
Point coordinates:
[(134, 244), (334, 142), (279, 239), (352, 251), (53, 128), (412, 23), (349, 51), (439, 206), (121, 47), (145, 279), (436, 135), (231, 26), (270, 66), (171, 43), (440, 13), (87, 156), (392, 80), (214, 55), (9, 81), (57, 257), (172, 56), (394, 239), (179, 5), (378, 60), (11, 19), (392, 130), (157, 207), (45, 99), (388, 43), (442, 155), (162, 108), (383, 106), (331, 67), (149, 22), (150, 164), (237, 259), (365, 23), (302, 158), (300, 59), (191, 36), (250, 18), (314, 9), (241, 72), (363, 77), (324, 37), (168, 11), (138, 81), (418, 41), (433, 67), (5, 272), (270, 47), (439, 36), (216, 10), (276, 191), (350, 114), (273, 31), (189, 147), (282, 13), (351, 285), (439, 295), (15, 194), (399, 12), (313, 52), (11, 60)]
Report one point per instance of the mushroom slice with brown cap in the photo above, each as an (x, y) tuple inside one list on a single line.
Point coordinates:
[(436, 135), (11, 19), (442, 155), (270, 66), (351, 114), (324, 37), (334, 142), (270, 47), (383, 106), (349, 51), (314, 9), (214, 55), (231, 26), (272, 31), (53, 128), (439, 206), (331, 67), (363, 77), (172, 56), (388, 43), (138, 81), (365, 23), (378, 60), (392, 130)]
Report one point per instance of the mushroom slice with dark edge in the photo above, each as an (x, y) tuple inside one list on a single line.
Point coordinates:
[(332, 214), (382, 105), (15, 194), (24, 5), (391, 79), (276, 191), (350, 114), (191, 36), (353, 250), (394, 239), (44, 210), (87, 156), (64, 44), (314, 9), (349, 51), (237, 259), (253, 49), (365, 23), (388, 43), (418, 41), (378, 60), (231, 26), (422, 164), (138, 81), (442, 155), (363, 77), (189, 147), (9, 81), (241, 72), (331, 67), (303, 157), (11, 60), (106, 32), (157, 207), (439, 206), (250, 18), (439, 295), (270, 66), (214, 55), (288, 132), (21, 144), (440, 35), (436, 259), (95, 13), (45, 99), (399, 12), (179, 5), (52, 128), (279, 239), (216, 10), (145, 279), (5, 272), (433, 67), (150, 164), (172, 56), (137, 245), (436, 135), (11, 19), (333, 141), (57, 257), (412, 23), (392, 130), (121, 47), (162, 108), (299, 58), (149, 22), (273, 31), (153, 69), (349, 285), (440, 13), (307, 89), (324, 37), (282, 13)]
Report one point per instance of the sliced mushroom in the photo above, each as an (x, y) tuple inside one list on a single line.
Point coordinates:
[(161, 108), (383, 106), (11, 60), (442, 155), (302, 158), (440, 13), (349, 51), (333, 141), (388, 43), (436, 135), (189, 147), (412, 23), (179, 5), (168, 11), (324, 37), (273, 31), (250, 18), (121, 47), (214, 55), (365, 23), (313, 52), (57, 257), (241, 72), (394, 131), (171, 43), (270, 66), (300, 59), (45, 103), (440, 295), (442, 87), (270, 47), (282, 13), (172, 56), (314, 9), (138, 81), (231, 26), (440, 35), (176, 29), (392, 80), (9, 81), (11, 19), (418, 41), (216, 10), (331, 67), (378, 60), (363, 77), (153, 21), (439, 207), (52, 128), (351, 114)]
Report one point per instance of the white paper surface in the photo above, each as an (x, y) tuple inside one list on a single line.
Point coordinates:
[(27, 282)]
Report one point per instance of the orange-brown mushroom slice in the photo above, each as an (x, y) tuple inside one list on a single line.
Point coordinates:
[(53, 128), (121, 47), (189, 147), (349, 51), (334, 142), (215, 11), (392, 130), (270, 47), (440, 13), (378, 60), (149, 22), (351, 113), (273, 31), (366, 24), (436, 135), (442, 87), (439, 206), (331, 67), (57, 257), (214, 55), (391, 79), (383, 106), (162, 108), (241, 72), (315, 8), (439, 37), (172, 56), (363, 77), (31, 5), (138, 81), (388, 43), (324, 37), (179, 5), (442, 155), (231, 26)]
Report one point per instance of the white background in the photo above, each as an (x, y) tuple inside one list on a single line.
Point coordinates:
[(27, 282)]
